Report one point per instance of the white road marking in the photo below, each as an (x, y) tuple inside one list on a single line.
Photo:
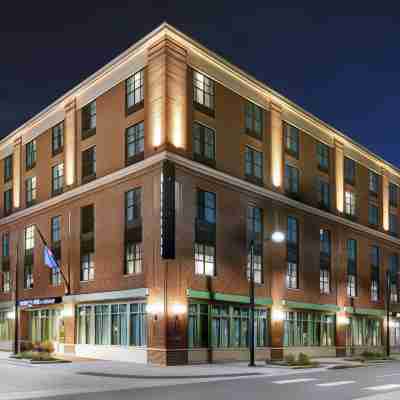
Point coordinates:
[(383, 387), (335, 383), (286, 381), (382, 396), (385, 376)]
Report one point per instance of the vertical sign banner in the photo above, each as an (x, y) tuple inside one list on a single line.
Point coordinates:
[(168, 210)]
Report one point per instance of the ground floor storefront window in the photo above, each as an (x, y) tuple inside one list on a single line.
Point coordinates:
[(6, 326), (395, 333), (364, 331), (112, 324), (305, 328), (44, 325), (223, 326)]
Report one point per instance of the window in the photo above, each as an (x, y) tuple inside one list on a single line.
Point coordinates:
[(204, 258), (393, 195), (87, 267), (220, 326), (292, 140), (291, 180), (349, 171), (373, 214), (292, 279), (55, 226), (30, 191), (133, 258), (198, 331), (57, 139), (203, 143), (8, 201), (5, 245), (6, 288), (253, 164), (395, 333), (304, 328), (323, 156), (373, 183), (375, 261), (56, 229), (325, 260), (89, 120), (89, 164), (351, 268), (112, 324), (29, 237), (206, 206), (43, 325), (349, 203), (135, 143), (254, 120), (323, 193), (31, 154), (134, 92), (394, 277), (254, 232), (133, 208), (393, 224), (29, 242), (364, 331), (203, 92), (8, 168), (57, 178)]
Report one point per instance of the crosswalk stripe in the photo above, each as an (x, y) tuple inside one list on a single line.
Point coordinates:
[(383, 387), (382, 396), (335, 383), (286, 381)]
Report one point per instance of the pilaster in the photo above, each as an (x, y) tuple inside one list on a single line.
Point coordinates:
[(276, 146), (339, 176), (70, 142), (17, 168)]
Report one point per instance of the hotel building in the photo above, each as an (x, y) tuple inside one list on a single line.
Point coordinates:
[(153, 181)]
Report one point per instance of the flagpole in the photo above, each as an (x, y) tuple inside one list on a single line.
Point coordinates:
[(16, 321), (58, 265)]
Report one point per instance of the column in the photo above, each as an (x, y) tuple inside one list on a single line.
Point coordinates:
[(385, 200), (339, 177), (276, 145), (67, 328), (167, 96), (17, 173), (70, 142)]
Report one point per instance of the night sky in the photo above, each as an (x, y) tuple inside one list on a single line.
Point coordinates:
[(341, 63)]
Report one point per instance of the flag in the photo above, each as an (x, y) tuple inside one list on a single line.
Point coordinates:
[(49, 258)]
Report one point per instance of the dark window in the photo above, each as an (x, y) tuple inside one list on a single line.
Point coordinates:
[(323, 156), (87, 219), (135, 143), (203, 92), (134, 92), (323, 192), (393, 224), (8, 201), (57, 179), (325, 260), (133, 208), (89, 164), (254, 164), (87, 242), (373, 214), (351, 268), (56, 248), (31, 154), (373, 183), (349, 171), (254, 120), (30, 191), (203, 143), (292, 134), (89, 120), (255, 241), (375, 261), (393, 195), (56, 229), (206, 206), (57, 139), (5, 244), (291, 180), (29, 245), (8, 168), (292, 243)]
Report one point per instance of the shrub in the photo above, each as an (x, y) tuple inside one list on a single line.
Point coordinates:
[(26, 346), (303, 359), (290, 359), (371, 354), (46, 347)]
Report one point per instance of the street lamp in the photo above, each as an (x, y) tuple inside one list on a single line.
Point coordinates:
[(276, 237), (388, 294)]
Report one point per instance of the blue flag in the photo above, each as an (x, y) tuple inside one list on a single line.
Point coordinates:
[(49, 258)]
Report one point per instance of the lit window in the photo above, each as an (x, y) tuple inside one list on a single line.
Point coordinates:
[(31, 154), (30, 191), (203, 90), (350, 203), (133, 258), (204, 256), (58, 178), (373, 182), (134, 91)]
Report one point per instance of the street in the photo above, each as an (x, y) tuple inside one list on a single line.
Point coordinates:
[(119, 381)]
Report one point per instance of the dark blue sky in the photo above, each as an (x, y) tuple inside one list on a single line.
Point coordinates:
[(340, 62)]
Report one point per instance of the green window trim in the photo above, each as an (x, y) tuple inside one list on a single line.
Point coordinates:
[(234, 298)]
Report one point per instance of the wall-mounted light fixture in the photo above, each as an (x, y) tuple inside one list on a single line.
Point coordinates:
[(343, 319), (10, 315), (154, 309), (278, 236), (277, 314)]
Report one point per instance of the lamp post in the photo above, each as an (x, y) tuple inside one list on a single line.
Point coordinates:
[(388, 313), (276, 237)]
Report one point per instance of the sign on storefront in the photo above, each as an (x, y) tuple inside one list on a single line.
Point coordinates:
[(39, 302)]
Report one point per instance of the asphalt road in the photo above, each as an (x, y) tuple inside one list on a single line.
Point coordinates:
[(369, 383)]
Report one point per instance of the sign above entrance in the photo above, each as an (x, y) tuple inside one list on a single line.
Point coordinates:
[(39, 302)]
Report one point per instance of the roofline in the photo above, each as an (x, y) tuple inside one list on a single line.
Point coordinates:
[(167, 28)]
